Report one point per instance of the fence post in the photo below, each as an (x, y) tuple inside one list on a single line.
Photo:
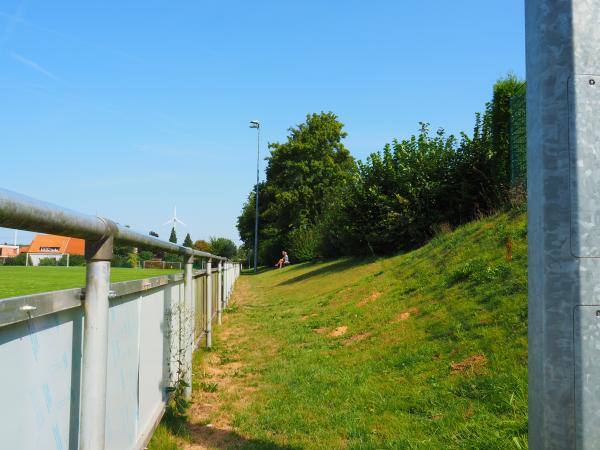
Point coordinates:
[(95, 343), (220, 290), (228, 280), (188, 327), (209, 312)]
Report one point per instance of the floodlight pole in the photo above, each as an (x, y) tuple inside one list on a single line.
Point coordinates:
[(256, 124), (563, 173)]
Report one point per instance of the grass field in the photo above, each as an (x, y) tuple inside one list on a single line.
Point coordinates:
[(426, 350), (21, 280)]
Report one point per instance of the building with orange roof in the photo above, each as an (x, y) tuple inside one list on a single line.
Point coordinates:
[(8, 251), (52, 246)]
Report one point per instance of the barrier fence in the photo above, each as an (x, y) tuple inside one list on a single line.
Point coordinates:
[(90, 368)]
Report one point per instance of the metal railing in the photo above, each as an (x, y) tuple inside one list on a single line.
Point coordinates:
[(112, 345)]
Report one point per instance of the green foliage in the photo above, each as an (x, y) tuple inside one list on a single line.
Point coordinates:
[(500, 112), (48, 262), (145, 255), (133, 259), (18, 260), (317, 201), (173, 236), (222, 247), (74, 260), (304, 243), (301, 172), (242, 254), (187, 242)]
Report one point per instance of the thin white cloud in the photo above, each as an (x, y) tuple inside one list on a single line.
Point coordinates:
[(13, 19), (33, 65), (18, 19)]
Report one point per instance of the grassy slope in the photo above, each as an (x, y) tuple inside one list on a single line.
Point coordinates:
[(392, 380), (21, 280)]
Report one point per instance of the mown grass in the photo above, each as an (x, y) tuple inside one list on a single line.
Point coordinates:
[(21, 280), (431, 351)]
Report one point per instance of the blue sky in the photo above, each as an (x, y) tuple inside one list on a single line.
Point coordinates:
[(125, 109)]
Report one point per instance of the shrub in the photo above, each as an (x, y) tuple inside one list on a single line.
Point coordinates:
[(48, 262), (304, 243), (74, 260), (18, 260)]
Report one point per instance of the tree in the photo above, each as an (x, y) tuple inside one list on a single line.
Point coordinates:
[(187, 242), (202, 245), (222, 247), (301, 173), (500, 118), (173, 237), (302, 170)]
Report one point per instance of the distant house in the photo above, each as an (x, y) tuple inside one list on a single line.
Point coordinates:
[(8, 251), (52, 246)]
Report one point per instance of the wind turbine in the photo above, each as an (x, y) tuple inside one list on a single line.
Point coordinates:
[(174, 220)]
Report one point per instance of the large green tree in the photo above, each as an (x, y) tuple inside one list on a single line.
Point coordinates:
[(187, 242), (301, 174), (304, 169), (222, 247)]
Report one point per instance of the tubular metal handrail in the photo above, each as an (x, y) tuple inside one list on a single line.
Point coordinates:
[(25, 213)]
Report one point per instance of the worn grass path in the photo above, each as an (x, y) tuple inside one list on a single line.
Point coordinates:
[(426, 350)]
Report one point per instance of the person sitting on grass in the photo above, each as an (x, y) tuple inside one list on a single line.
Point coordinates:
[(284, 260)]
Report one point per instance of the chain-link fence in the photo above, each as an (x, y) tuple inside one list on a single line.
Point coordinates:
[(518, 138)]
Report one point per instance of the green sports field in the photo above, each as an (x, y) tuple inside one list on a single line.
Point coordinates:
[(21, 280)]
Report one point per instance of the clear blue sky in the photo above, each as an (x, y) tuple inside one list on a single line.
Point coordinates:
[(127, 108)]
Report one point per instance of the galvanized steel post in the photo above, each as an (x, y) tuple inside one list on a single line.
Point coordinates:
[(220, 290), (188, 327), (225, 283), (95, 343), (563, 106), (209, 312)]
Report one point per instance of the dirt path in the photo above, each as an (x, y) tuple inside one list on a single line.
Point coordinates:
[(220, 384)]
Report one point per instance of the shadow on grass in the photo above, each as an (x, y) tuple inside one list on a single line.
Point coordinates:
[(328, 269), (212, 437), (259, 270)]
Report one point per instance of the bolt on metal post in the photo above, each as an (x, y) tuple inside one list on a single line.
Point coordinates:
[(95, 343), (209, 312), (220, 290), (188, 327)]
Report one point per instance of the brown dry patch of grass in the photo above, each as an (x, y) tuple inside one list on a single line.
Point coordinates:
[(406, 315), (474, 363), (210, 436), (339, 331), (210, 421), (371, 298), (357, 338)]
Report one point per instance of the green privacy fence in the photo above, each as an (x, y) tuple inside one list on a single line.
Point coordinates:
[(518, 138)]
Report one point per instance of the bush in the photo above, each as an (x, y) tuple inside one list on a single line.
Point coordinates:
[(48, 262), (74, 260), (18, 260), (120, 261), (222, 247), (304, 243)]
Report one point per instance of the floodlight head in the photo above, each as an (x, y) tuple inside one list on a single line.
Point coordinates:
[(254, 124)]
